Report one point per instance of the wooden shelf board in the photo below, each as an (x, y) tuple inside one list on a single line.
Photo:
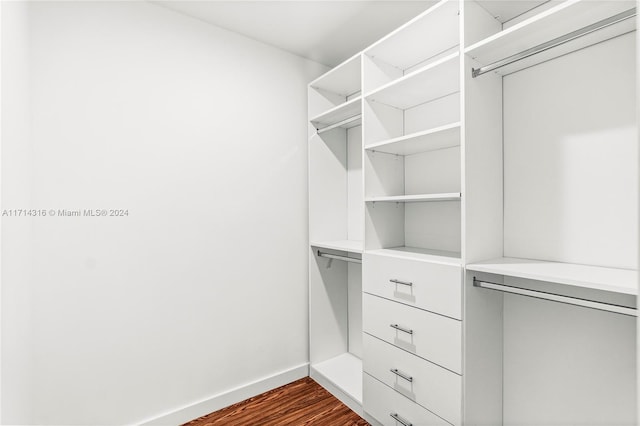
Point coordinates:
[(341, 112), (548, 25), (400, 49), (450, 196), (428, 140), (345, 372), (425, 255), (343, 80), (623, 281), (350, 246), (433, 81)]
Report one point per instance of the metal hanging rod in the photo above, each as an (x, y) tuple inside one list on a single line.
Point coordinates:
[(339, 123), (601, 306), (338, 257), (475, 72)]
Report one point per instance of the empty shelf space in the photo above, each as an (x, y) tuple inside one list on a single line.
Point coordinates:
[(504, 11), (350, 246), (344, 372), (414, 43), (623, 281), (428, 140), (428, 83), (567, 17), (338, 114), (450, 196), (342, 80), (422, 254)]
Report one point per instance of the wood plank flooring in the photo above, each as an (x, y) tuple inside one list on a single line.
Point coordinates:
[(301, 403)]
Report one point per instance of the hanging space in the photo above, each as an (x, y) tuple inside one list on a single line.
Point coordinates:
[(336, 232), (551, 211)]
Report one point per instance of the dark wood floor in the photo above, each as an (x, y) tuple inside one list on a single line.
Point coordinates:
[(301, 403)]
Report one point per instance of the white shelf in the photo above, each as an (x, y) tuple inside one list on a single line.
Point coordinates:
[(428, 140), (548, 25), (342, 80), (425, 255), (413, 42), (350, 246), (504, 11), (430, 82), (344, 372), (623, 281), (339, 113), (450, 196)]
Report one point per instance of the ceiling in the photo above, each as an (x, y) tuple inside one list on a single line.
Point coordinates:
[(326, 31)]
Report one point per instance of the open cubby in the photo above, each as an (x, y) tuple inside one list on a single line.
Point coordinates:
[(429, 228), (427, 173), (398, 54), (414, 105), (332, 90)]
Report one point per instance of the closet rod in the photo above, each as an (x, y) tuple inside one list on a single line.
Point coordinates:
[(475, 72), (557, 298), (339, 123), (338, 257)]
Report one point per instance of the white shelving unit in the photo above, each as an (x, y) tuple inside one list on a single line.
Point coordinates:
[(335, 230), (468, 195), (412, 134)]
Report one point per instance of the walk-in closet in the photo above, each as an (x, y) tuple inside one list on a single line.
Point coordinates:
[(321, 213)]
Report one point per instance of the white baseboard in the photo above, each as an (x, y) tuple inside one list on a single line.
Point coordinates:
[(224, 399)]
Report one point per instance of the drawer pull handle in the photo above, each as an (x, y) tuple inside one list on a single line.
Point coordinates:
[(401, 374), (404, 330), (408, 283), (400, 420)]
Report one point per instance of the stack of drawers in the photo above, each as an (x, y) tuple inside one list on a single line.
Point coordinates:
[(412, 313)]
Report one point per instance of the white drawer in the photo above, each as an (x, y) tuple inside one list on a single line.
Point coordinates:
[(431, 286), (381, 402), (431, 336), (433, 387)]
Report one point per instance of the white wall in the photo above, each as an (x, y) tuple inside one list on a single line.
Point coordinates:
[(15, 355), (571, 195), (567, 174), (200, 133)]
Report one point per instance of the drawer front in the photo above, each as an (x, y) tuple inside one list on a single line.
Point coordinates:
[(381, 402), (428, 335), (433, 387), (431, 286)]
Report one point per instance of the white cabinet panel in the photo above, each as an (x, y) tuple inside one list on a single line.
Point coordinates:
[(431, 386), (430, 336), (382, 402), (434, 287)]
